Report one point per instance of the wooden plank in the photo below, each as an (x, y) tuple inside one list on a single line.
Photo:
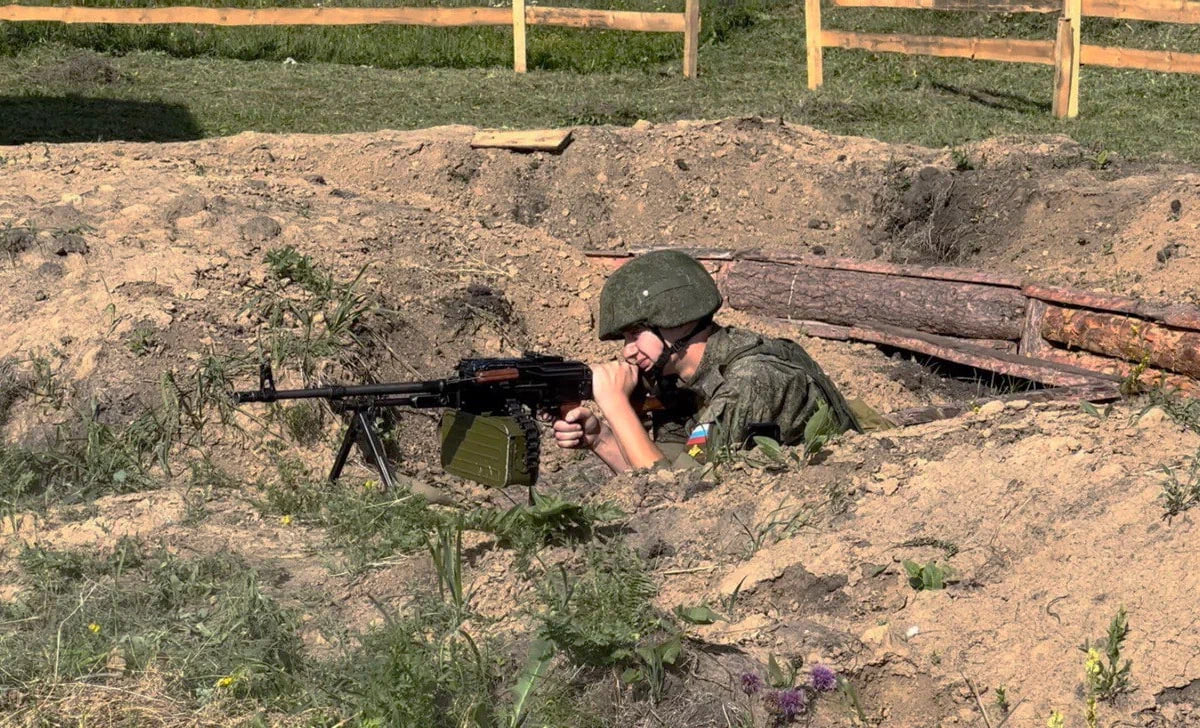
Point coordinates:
[(1180, 316), (1165, 11), (849, 297), (814, 43), (442, 17), (1101, 392), (1061, 101), (1072, 9), (1165, 61), (536, 140), (822, 330), (959, 352), (979, 6), (980, 49), (691, 37), (518, 21), (605, 19)]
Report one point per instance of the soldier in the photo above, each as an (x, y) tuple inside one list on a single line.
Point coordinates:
[(721, 385)]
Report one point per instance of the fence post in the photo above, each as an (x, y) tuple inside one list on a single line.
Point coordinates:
[(691, 36), (812, 39), (1066, 61), (518, 35)]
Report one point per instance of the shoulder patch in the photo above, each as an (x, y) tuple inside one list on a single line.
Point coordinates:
[(697, 442)]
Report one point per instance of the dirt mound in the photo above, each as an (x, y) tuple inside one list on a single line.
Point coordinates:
[(131, 262)]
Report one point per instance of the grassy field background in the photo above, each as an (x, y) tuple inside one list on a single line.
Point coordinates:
[(226, 80)]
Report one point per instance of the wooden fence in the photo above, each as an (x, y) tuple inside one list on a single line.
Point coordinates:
[(1065, 53), (519, 16)]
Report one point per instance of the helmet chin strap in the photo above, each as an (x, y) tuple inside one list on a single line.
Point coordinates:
[(654, 377)]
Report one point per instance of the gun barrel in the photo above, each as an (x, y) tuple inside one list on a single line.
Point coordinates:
[(432, 387)]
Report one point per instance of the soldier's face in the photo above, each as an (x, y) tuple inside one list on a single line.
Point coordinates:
[(642, 348)]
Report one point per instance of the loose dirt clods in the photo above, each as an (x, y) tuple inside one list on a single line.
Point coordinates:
[(390, 256)]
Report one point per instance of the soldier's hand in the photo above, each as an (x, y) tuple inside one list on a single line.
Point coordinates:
[(613, 379), (578, 428)]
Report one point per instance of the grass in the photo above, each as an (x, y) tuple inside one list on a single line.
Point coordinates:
[(751, 62)]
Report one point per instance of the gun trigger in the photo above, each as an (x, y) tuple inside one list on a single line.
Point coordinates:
[(266, 379)]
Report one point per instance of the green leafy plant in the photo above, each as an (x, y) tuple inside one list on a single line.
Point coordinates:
[(782, 522), (548, 519), (445, 548), (1100, 414), (962, 162), (1181, 493), (927, 577), (1105, 675)]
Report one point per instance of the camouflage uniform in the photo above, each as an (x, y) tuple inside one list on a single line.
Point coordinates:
[(746, 380)]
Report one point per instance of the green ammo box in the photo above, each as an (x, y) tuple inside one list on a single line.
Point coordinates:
[(488, 449)]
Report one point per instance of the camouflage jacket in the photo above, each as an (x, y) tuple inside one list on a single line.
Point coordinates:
[(747, 384)]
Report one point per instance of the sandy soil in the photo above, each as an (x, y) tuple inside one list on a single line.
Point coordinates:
[(1052, 513)]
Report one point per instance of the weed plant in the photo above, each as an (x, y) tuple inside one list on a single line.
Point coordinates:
[(1105, 675), (1181, 493)]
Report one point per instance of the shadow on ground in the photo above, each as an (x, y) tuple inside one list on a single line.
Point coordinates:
[(73, 118)]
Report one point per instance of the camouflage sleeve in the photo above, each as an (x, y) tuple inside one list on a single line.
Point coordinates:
[(754, 391)]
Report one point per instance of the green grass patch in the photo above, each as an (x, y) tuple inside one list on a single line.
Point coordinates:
[(753, 67), (203, 622)]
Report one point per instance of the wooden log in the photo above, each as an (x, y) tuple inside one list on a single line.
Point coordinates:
[(606, 19), (442, 17), (1164, 11), (850, 297), (1124, 337), (1032, 344), (822, 330), (1100, 392), (980, 49), (1165, 61), (1148, 378), (518, 20), (814, 44), (535, 140), (955, 350), (1181, 316), (939, 273), (979, 6), (691, 37)]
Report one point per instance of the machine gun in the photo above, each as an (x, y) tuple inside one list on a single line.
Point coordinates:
[(488, 432)]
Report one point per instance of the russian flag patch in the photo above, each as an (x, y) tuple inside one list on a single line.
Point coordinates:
[(698, 440)]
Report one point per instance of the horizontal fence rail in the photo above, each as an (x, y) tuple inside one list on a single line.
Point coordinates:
[(1065, 53), (518, 16)]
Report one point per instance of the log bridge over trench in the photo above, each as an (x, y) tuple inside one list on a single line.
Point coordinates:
[(1079, 344)]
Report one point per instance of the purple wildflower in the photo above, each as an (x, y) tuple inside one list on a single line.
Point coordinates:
[(751, 683), (786, 704), (822, 679)]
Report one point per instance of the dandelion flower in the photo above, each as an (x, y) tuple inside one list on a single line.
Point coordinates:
[(286, 520), (94, 628), (751, 683), (1055, 720), (225, 681), (822, 679)]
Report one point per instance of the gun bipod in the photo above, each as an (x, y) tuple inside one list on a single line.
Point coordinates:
[(362, 421)]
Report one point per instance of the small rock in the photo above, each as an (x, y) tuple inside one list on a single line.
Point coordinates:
[(17, 240), (1167, 252), (682, 165), (1018, 404), (70, 243), (50, 270), (642, 125), (818, 224), (40, 296), (818, 250), (1152, 418), (1176, 209), (991, 408), (260, 228), (315, 179)]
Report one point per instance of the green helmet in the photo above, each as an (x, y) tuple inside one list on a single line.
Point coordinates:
[(661, 289)]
